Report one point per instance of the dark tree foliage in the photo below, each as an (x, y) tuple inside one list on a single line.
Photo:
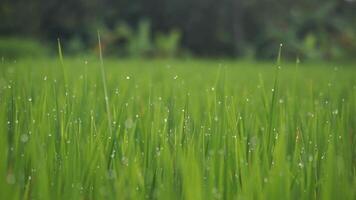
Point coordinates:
[(320, 28)]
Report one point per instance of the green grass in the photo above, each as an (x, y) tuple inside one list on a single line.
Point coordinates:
[(192, 129)]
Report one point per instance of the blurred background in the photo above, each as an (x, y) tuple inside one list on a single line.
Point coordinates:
[(310, 29)]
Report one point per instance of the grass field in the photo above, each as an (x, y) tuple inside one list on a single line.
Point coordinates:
[(169, 129)]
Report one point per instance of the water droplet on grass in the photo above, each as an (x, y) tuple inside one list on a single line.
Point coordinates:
[(128, 123), (24, 138), (300, 165), (335, 112)]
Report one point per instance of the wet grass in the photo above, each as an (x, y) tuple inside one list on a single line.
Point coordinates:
[(168, 129)]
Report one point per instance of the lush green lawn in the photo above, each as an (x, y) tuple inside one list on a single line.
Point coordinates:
[(178, 130)]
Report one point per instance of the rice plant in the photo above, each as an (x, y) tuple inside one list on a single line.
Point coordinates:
[(170, 129)]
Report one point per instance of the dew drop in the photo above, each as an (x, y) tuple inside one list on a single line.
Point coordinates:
[(24, 138)]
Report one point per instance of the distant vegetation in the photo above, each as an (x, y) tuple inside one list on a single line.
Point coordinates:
[(164, 28), (14, 48)]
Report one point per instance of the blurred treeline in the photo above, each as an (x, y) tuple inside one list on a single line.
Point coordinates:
[(318, 29)]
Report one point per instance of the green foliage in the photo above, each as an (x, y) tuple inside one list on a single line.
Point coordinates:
[(208, 28), (140, 43), (167, 45), (75, 46), (164, 129), (11, 47), (309, 47), (310, 29)]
